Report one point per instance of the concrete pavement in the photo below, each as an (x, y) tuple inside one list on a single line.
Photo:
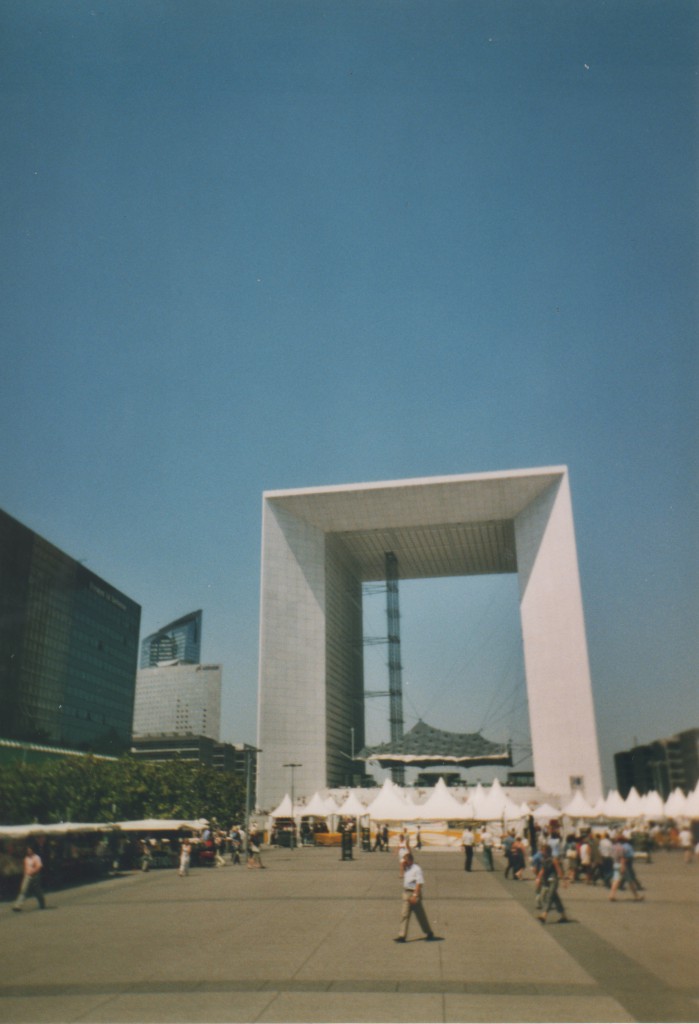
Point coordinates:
[(310, 939)]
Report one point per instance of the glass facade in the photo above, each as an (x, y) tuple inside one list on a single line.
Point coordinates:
[(68, 648), (178, 641)]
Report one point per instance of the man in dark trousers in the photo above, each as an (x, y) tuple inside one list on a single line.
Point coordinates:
[(413, 884), (467, 843)]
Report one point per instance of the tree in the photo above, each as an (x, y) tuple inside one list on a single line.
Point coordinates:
[(92, 790)]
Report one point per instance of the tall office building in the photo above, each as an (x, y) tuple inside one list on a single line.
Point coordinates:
[(178, 699), (68, 648), (662, 765), (178, 641)]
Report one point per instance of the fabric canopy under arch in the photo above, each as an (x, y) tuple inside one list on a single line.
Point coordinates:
[(427, 747)]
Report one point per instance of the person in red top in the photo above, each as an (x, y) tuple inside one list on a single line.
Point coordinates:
[(31, 880)]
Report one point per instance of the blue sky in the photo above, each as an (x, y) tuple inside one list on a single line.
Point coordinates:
[(263, 245)]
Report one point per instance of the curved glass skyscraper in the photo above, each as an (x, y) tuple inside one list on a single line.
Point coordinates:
[(178, 641)]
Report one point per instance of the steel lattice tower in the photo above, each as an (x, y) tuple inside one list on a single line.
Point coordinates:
[(395, 669)]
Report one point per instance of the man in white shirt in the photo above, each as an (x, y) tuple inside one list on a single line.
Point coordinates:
[(467, 843), (31, 880), (685, 840), (413, 883)]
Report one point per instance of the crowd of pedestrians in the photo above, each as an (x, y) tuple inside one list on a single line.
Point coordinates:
[(589, 856)]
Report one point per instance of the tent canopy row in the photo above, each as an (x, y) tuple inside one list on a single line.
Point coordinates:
[(491, 804)]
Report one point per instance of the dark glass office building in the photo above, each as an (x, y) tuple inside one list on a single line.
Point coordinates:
[(663, 765), (68, 648), (178, 641)]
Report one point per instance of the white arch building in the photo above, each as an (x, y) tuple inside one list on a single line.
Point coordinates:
[(320, 544)]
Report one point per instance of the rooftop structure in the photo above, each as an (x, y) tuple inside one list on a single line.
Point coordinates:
[(178, 641)]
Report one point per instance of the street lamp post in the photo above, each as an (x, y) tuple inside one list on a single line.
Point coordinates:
[(293, 765), (249, 751)]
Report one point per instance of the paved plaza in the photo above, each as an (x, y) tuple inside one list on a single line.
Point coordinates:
[(311, 939)]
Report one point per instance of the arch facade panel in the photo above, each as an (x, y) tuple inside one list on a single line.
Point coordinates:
[(321, 544)]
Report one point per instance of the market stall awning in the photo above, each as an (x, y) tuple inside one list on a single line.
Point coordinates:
[(54, 829), (161, 825), (426, 747)]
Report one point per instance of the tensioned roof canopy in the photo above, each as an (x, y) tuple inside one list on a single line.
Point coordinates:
[(426, 747)]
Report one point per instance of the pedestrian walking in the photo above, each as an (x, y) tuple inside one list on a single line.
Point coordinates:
[(403, 850), (550, 874), (146, 855), (31, 880), (254, 846), (685, 841), (185, 857), (487, 843), (507, 844), (606, 851), (623, 870), (413, 884), (236, 846), (467, 843), (537, 859), (517, 859)]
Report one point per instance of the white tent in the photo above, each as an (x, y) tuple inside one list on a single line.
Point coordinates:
[(442, 805), (653, 806), (284, 810), (633, 804), (513, 811), (352, 807), (468, 811), (598, 808), (692, 804), (491, 805), (319, 807), (614, 806), (545, 812), (389, 805), (578, 807), (676, 804)]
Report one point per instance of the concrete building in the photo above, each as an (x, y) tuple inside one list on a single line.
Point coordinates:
[(319, 545), (178, 699), (68, 648), (239, 758)]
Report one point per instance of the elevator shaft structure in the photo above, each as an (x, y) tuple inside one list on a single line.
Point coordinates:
[(395, 668)]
